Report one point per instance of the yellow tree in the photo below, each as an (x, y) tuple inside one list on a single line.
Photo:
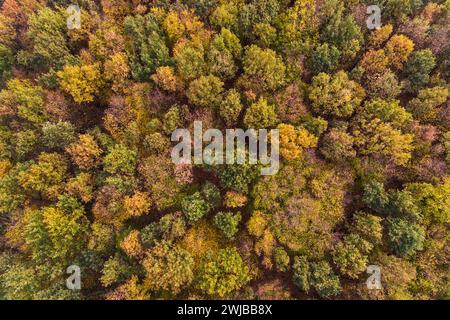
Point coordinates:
[(398, 50), (81, 82)]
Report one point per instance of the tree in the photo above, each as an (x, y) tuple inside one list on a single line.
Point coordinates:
[(293, 141), (19, 282), (350, 255), (324, 281), (342, 32), (85, 152), (81, 186), (117, 71), (6, 62), (405, 238), (115, 270), (211, 193), (57, 234), (49, 47), (168, 268), (25, 142), (11, 193), (264, 66), (222, 272), (381, 139), (301, 273), (190, 60), (83, 83), (58, 135), (337, 146), (368, 226), (235, 199), (46, 176), (137, 205), (325, 58), (132, 245), (257, 223), (335, 95), (383, 85), (120, 160), (228, 223), (22, 98), (205, 92), (418, 69), (194, 207), (281, 259), (374, 62), (403, 204), (145, 45), (223, 54), (230, 107), (158, 176), (165, 78), (238, 177), (425, 107), (432, 201), (398, 50), (389, 111), (379, 36), (374, 196), (225, 15), (260, 115), (265, 35)]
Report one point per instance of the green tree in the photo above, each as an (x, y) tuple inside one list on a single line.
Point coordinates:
[(227, 222), (194, 207), (205, 92), (260, 115), (265, 67), (368, 226), (324, 281), (350, 255), (49, 40), (58, 135), (375, 196), (405, 238), (230, 108), (190, 60), (335, 95), (168, 268), (425, 107), (418, 69), (380, 139), (223, 54), (222, 272), (301, 273), (145, 45), (120, 160), (46, 177), (6, 62), (57, 234), (341, 30), (22, 98), (325, 58), (282, 259)]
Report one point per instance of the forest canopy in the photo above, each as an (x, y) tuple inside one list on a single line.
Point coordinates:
[(87, 180)]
